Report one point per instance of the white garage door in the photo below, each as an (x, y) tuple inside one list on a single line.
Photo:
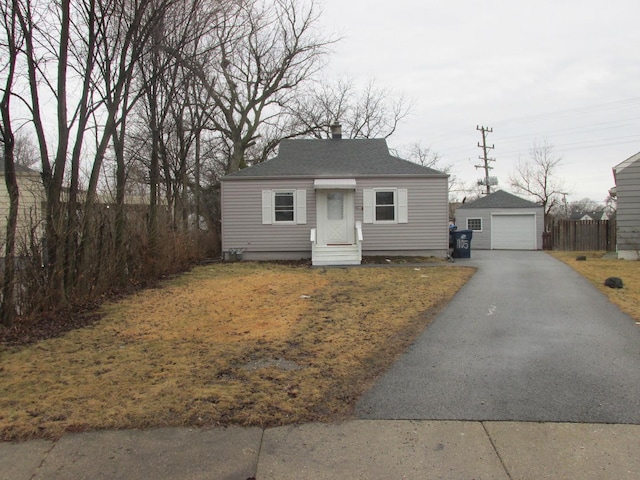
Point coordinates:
[(513, 232)]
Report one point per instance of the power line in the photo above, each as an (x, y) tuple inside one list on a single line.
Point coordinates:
[(507, 123), (575, 111), (589, 144)]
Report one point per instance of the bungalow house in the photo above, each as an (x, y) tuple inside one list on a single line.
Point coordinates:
[(502, 221), (333, 201), (627, 192)]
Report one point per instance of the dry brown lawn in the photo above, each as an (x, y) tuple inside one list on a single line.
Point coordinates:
[(597, 269), (243, 343)]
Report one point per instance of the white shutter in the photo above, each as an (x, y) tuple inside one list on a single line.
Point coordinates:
[(367, 205), (403, 205), (301, 207), (267, 216)]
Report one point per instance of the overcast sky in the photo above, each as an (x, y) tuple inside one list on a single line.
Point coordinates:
[(564, 71)]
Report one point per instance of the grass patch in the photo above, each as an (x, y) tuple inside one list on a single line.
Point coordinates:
[(597, 268), (242, 343)]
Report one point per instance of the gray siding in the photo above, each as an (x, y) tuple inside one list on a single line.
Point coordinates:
[(481, 240), (242, 226), (628, 210), (425, 233)]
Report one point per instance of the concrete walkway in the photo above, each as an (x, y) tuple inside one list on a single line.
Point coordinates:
[(358, 449)]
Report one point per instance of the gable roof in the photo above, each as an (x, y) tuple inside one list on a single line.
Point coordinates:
[(621, 166), (333, 158), (500, 199)]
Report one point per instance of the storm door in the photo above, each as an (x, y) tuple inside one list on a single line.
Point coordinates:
[(335, 217)]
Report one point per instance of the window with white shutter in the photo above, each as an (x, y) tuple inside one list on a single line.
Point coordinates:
[(284, 207), (385, 205)]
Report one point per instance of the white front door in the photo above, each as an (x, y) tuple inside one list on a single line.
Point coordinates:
[(335, 217)]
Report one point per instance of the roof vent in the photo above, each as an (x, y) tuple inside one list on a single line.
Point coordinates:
[(336, 131)]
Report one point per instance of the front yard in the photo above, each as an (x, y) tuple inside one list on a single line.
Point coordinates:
[(598, 267), (244, 343)]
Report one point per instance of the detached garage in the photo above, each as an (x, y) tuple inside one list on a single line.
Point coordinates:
[(502, 221)]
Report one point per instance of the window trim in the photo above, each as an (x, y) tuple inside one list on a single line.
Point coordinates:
[(475, 218), (401, 204), (274, 193), (299, 206), (395, 206)]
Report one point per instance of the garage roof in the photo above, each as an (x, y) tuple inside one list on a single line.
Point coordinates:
[(500, 199)]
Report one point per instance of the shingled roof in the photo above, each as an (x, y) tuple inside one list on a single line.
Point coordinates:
[(334, 158), (500, 199)]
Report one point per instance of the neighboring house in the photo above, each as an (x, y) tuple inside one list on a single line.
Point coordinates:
[(627, 192), (586, 216), (502, 221), (334, 200), (30, 202)]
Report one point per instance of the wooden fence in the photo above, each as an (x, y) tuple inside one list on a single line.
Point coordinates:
[(579, 235)]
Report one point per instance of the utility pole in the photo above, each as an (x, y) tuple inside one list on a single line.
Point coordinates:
[(487, 180)]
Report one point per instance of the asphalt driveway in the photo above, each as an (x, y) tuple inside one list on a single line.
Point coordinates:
[(526, 339)]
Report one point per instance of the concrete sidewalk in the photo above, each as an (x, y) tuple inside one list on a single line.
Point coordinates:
[(356, 449)]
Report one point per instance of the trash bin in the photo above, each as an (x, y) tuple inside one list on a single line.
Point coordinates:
[(461, 240)]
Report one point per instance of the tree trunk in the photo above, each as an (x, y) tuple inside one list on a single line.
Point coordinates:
[(8, 313), (196, 191), (237, 161), (55, 214), (8, 308), (120, 227)]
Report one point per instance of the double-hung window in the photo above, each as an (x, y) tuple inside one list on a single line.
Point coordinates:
[(385, 205), (284, 206)]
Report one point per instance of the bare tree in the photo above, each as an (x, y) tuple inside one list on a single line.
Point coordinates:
[(35, 18), (258, 57), (377, 113), (583, 206), (424, 156), (175, 108), (611, 205), (80, 57), (11, 49), (372, 112), (427, 157), (537, 177), (25, 150), (129, 32)]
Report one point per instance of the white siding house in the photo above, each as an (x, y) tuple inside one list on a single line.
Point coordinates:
[(334, 201), (627, 192), (502, 221), (30, 202)]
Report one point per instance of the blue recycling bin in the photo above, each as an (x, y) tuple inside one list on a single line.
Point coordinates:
[(461, 240)]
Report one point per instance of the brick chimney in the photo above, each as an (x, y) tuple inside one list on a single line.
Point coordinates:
[(336, 131)]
